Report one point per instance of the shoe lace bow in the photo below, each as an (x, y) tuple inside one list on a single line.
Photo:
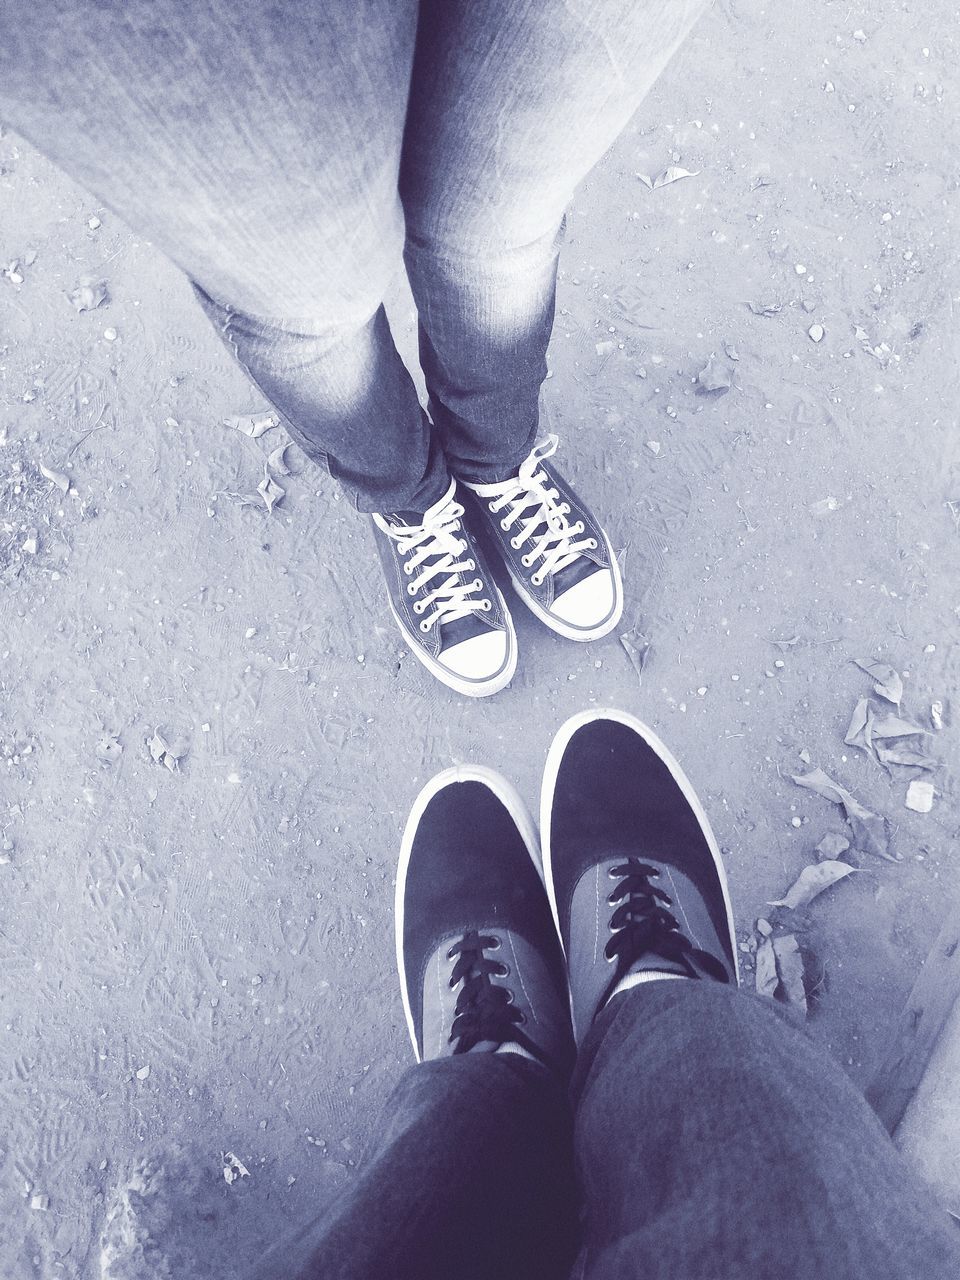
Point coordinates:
[(533, 505), (642, 925)]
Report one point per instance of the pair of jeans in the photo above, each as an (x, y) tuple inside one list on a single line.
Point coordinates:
[(706, 1137), (288, 156)]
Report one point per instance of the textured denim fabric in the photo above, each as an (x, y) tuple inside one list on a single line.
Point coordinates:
[(265, 147), (713, 1140)]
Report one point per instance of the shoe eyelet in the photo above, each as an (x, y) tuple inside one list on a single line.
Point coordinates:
[(491, 506), (526, 561), (407, 569), (522, 1017), (486, 606), (515, 543), (424, 627), (411, 590), (592, 544), (504, 525), (495, 945), (536, 579), (450, 955), (417, 607), (471, 564), (478, 584), (505, 970)]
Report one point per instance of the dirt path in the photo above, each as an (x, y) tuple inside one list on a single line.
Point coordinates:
[(204, 957)]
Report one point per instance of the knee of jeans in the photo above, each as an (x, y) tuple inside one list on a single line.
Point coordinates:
[(488, 244)]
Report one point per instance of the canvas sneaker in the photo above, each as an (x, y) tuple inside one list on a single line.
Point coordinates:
[(632, 868), (448, 607), (480, 964), (559, 558)]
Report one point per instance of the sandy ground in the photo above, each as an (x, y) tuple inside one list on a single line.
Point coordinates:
[(202, 959)]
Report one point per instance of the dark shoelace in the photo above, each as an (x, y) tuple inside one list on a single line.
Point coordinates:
[(485, 1011), (643, 926)]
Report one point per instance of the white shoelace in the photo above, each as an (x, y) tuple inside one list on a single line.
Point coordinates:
[(436, 540), (552, 537)]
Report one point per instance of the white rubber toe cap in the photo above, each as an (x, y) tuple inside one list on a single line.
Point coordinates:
[(478, 658), (588, 602)]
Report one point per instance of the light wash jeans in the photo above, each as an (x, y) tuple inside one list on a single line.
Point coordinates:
[(709, 1138), (286, 154)]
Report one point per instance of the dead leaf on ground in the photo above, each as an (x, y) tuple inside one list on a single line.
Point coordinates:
[(790, 970), (859, 730), (55, 477), (269, 491), (811, 882), (766, 977), (673, 174), (277, 462), (89, 294), (253, 425), (870, 831), (716, 375), (771, 308), (637, 648), (891, 726), (888, 682), (785, 645), (906, 756), (163, 753)]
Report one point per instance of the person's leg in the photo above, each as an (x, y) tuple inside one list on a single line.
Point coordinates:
[(473, 1175), (512, 103), (258, 146), (716, 1139), (713, 1138)]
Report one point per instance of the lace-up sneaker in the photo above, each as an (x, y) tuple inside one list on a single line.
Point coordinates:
[(446, 603), (559, 558), (480, 965), (632, 869)]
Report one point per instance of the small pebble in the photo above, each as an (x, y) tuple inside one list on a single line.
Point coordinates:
[(796, 822), (94, 223), (816, 332), (110, 334), (920, 796)]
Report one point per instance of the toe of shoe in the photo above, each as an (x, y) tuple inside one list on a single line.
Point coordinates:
[(589, 604), (482, 657)]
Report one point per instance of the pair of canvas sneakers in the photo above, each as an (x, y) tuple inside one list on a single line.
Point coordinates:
[(508, 944), (444, 598)]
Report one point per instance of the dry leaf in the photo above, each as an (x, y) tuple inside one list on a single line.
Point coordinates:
[(907, 756), (673, 174), (859, 730), (765, 308), (89, 294), (766, 970), (869, 829), (269, 490), (637, 648), (276, 462), (252, 424), (790, 970), (56, 477), (163, 753), (233, 1168), (645, 179), (891, 726), (889, 685), (716, 375), (811, 882)]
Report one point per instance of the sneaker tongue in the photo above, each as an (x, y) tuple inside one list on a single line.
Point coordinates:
[(571, 574), (411, 519)]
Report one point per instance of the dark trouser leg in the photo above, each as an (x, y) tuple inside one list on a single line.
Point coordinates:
[(472, 1177), (714, 1139), (258, 146), (512, 103)]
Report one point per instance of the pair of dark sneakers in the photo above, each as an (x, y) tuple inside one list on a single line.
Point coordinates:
[(499, 946), (444, 598)]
